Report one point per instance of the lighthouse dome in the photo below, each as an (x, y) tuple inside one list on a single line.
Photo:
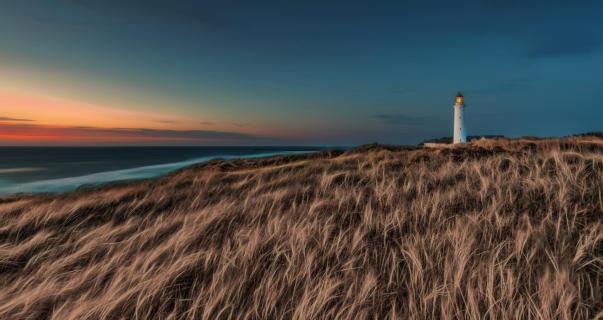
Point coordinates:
[(459, 98)]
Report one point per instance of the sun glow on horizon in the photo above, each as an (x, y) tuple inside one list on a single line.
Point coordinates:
[(56, 111), (36, 119)]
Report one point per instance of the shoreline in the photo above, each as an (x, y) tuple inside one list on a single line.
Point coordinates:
[(124, 176)]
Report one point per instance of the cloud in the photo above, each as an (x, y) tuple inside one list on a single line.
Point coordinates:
[(203, 123), (191, 12), (564, 45), (169, 121), (505, 86), (188, 134), (75, 23), (15, 119), (402, 120), (498, 5), (56, 133), (116, 16)]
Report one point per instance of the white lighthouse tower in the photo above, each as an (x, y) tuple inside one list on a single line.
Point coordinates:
[(460, 136)]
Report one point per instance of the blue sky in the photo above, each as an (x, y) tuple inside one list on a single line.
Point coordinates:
[(297, 72)]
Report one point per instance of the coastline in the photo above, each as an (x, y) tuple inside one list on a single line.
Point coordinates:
[(121, 176)]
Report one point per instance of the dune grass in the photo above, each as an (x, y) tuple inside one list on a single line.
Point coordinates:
[(498, 229)]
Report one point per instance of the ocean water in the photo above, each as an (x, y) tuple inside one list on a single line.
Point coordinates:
[(60, 169)]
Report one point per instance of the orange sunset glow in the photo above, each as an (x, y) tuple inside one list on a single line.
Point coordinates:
[(27, 118), (47, 110)]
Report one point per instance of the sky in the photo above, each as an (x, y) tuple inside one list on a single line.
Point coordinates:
[(112, 72)]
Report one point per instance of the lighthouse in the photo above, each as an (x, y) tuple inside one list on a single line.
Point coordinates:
[(460, 136)]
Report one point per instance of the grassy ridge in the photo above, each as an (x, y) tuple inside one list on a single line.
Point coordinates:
[(504, 229)]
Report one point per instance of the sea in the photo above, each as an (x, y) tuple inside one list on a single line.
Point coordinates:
[(61, 169)]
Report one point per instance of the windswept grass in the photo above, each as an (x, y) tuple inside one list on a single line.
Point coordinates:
[(499, 229)]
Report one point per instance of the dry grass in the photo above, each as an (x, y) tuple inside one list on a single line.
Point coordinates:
[(498, 229)]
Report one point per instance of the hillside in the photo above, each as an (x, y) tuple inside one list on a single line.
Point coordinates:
[(504, 229)]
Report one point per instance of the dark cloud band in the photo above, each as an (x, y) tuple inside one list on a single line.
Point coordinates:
[(95, 133)]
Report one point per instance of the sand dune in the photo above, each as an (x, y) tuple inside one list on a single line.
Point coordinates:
[(504, 229)]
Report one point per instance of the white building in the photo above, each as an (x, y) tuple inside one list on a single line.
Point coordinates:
[(460, 135)]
